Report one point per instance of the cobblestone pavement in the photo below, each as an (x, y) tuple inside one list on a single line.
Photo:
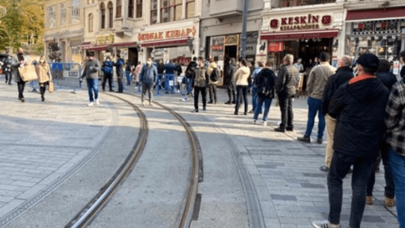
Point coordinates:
[(291, 189)]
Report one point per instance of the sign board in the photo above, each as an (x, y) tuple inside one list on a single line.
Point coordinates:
[(301, 22), (276, 46), (106, 39), (168, 34)]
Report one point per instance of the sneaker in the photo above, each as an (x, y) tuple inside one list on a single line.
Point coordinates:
[(254, 121), (195, 110), (324, 224), (97, 102), (184, 99), (210, 102), (369, 200), (319, 141), (324, 168), (228, 102), (304, 139), (264, 123), (90, 104), (389, 202)]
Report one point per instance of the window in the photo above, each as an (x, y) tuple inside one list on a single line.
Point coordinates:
[(90, 2), (153, 12), (51, 16), (62, 14), (190, 8), (170, 10), (119, 7), (138, 8), (75, 11), (110, 15), (131, 8), (102, 10), (91, 22)]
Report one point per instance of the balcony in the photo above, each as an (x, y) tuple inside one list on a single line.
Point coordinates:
[(292, 3), (221, 8)]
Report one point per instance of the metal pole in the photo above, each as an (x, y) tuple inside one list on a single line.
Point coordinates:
[(244, 21)]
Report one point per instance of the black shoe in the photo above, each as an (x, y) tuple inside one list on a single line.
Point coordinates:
[(204, 109), (304, 139), (103, 90), (245, 113), (233, 102), (43, 99), (210, 102), (9, 83), (195, 110), (251, 111), (289, 129), (228, 102), (279, 129), (324, 168), (111, 90), (236, 113), (22, 100), (319, 141)]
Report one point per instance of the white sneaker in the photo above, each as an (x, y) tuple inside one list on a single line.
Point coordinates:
[(184, 99), (254, 121), (264, 123), (97, 102), (324, 224), (90, 104)]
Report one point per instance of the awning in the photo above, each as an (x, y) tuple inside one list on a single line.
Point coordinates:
[(98, 48), (124, 44), (165, 43), (367, 15), (294, 35), (85, 45)]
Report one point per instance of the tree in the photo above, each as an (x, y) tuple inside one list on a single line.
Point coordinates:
[(22, 24)]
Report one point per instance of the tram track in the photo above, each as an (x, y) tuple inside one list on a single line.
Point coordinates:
[(89, 213)]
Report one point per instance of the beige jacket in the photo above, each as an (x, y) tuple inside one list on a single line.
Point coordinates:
[(44, 74), (242, 75), (317, 79), (211, 68)]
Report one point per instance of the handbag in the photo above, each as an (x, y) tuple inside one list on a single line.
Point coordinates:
[(50, 87), (28, 73)]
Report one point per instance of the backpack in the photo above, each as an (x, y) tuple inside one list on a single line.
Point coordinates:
[(265, 84), (107, 68), (191, 69), (215, 75)]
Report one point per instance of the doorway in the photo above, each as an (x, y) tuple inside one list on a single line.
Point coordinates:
[(133, 56), (231, 52)]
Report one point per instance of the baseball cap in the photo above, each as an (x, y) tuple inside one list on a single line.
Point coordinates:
[(369, 60), (90, 53)]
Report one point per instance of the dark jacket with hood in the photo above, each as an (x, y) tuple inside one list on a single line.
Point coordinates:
[(230, 73), (190, 69), (265, 82), (359, 107), (387, 78), (343, 75)]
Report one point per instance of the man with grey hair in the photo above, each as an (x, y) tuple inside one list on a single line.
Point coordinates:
[(286, 87), (343, 74)]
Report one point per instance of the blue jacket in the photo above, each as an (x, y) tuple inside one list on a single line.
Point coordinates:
[(169, 68), (107, 67), (148, 74)]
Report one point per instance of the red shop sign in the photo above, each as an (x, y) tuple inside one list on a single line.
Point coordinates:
[(276, 46)]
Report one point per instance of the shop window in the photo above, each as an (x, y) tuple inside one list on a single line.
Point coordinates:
[(138, 8), (91, 18), (102, 10), (153, 12), (170, 10), (110, 15), (190, 9), (119, 8), (75, 11), (51, 16), (131, 8), (62, 14)]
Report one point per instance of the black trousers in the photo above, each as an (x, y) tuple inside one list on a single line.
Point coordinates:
[(42, 88), (120, 83), (213, 93), (230, 88), (9, 76), (105, 78), (20, 86), (197, 91), (241, 93), (287, 114)]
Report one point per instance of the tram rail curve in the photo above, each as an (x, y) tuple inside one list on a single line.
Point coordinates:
[(88, 213)]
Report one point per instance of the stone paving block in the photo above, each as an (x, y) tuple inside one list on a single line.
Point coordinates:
[(275, 197), (272, 223)]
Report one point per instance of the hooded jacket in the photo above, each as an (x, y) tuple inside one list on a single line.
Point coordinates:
[(148, 74), (388, 79), (242, 76), (359, 107)]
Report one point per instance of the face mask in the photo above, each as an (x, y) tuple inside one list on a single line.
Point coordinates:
[(108, 60), (149, 62), (42, 61)]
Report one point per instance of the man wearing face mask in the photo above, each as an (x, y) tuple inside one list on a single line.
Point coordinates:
[(107, 69), (148, 77), (91, 74)]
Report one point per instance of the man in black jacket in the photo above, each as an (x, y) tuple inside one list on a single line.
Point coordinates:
[(343, 75), (190, 74), (230, 81), (286, 87), (358, 106)]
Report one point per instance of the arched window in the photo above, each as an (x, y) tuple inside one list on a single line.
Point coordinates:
[(102, 10), (110, 15), (131, 8), (91, 22), (119, 7)]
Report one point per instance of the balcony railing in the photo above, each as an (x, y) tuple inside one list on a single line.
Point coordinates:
[(292, 3)]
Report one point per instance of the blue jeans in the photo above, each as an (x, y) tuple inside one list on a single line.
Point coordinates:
[(129, 77), (189, 82), (92, 86), (339, 167), (267, 104), (314, 107), (398, 172), (255, 99), (241, 91), (169, 77)]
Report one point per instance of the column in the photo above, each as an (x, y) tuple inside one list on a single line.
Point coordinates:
[(158, 10), (183, 9)]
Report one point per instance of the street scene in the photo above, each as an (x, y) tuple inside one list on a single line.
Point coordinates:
[(193, 113)]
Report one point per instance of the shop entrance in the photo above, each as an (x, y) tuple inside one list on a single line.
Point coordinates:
[(312, 48), (231, 52), (133, 56)]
